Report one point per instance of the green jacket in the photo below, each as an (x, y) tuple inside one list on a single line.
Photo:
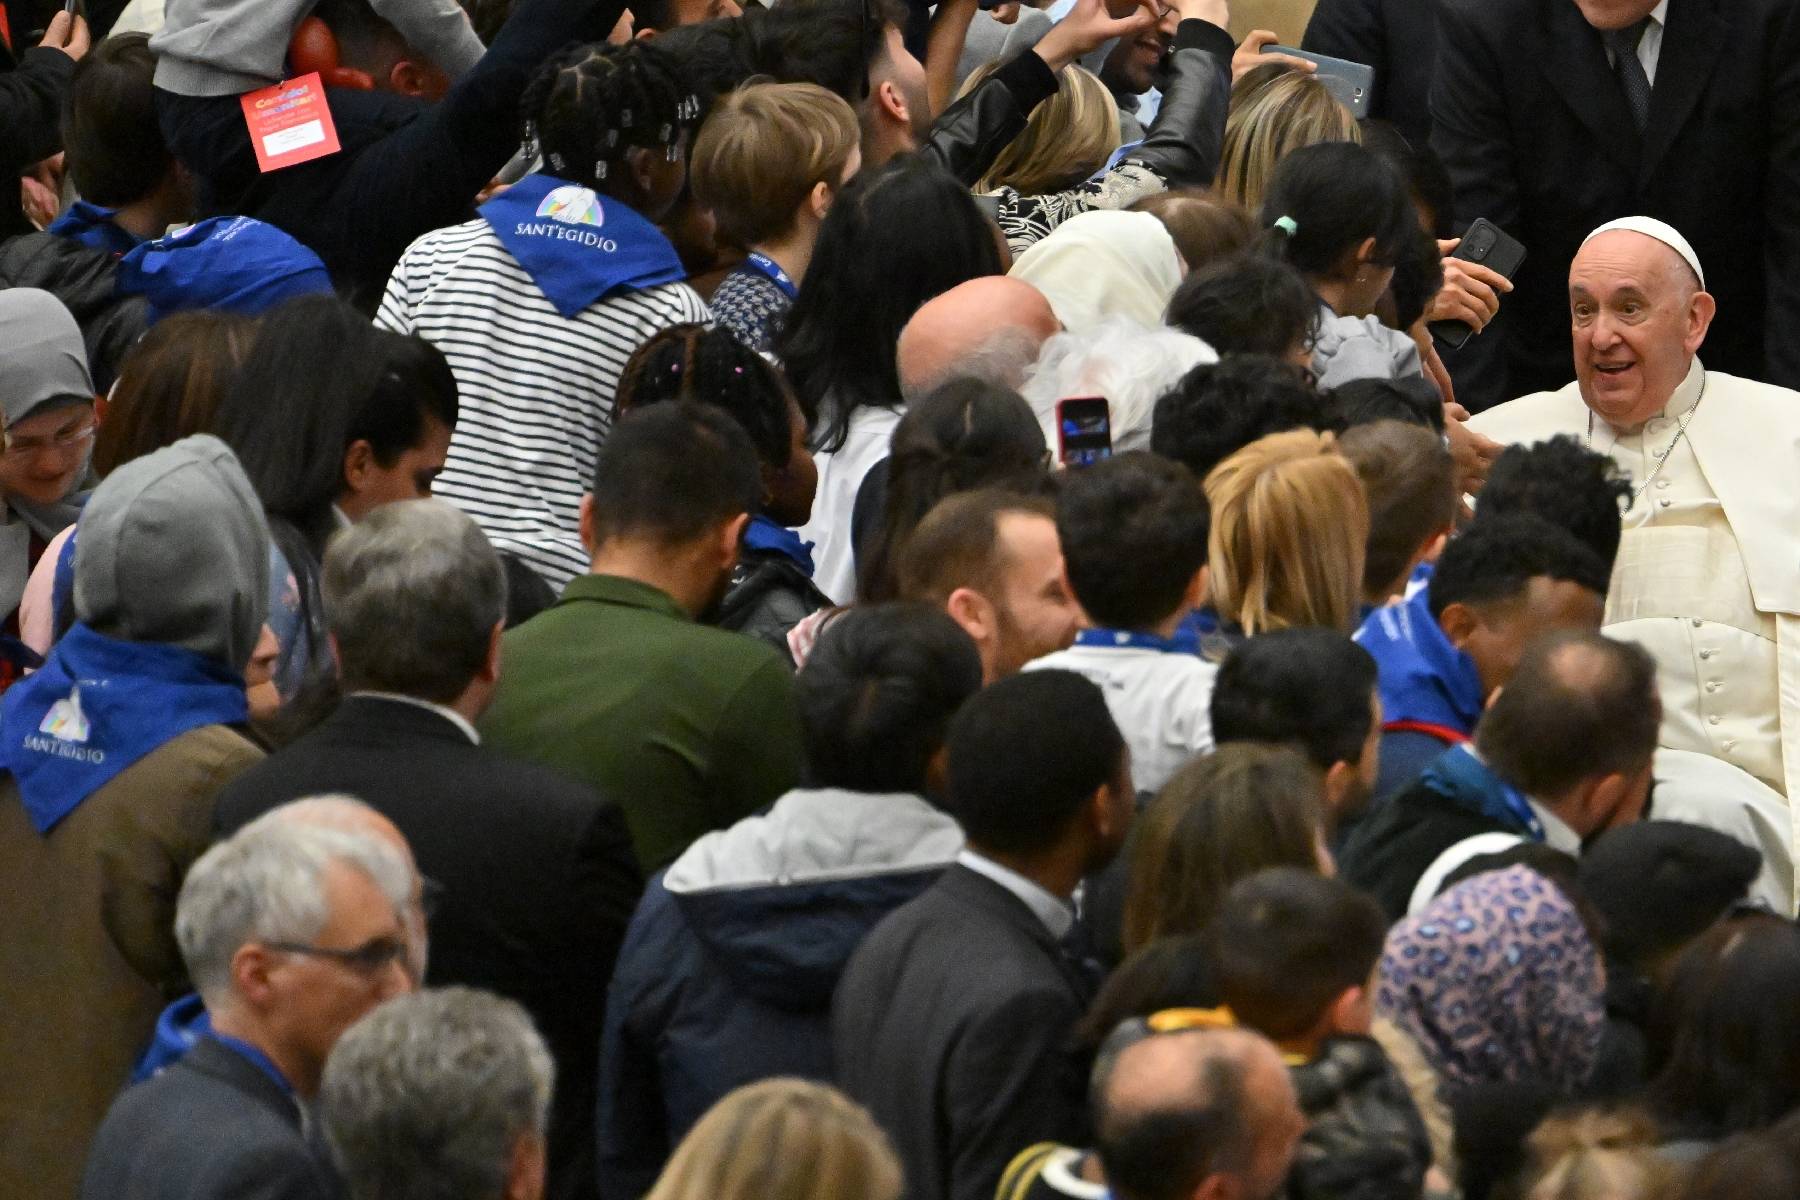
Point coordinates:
[(688, 728)]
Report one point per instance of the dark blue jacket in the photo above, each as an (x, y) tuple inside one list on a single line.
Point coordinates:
[(729, 964)]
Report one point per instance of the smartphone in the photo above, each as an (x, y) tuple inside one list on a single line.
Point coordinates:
[(1485, 243), (1083, 430), (1351, 83)]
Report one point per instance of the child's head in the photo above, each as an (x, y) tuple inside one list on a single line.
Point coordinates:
[(1247, 304), (1133, 531), (1293, 953), (771, 157), (710, 366), (116, 152), (1410, 480), (1219, 408), (1341, 215), (615, 119)]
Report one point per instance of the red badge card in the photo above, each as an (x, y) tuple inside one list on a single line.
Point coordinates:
[(290, 123)]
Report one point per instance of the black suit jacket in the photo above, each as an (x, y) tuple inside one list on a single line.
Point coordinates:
[(951, 1024), (211, 1127), (538, 874), (1533, 126), (1396, 37)]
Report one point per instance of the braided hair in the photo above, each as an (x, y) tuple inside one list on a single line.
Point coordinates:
[(591, 104), (710, 366)]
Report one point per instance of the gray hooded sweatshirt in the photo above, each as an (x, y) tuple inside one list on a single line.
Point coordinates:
[(173, 548)]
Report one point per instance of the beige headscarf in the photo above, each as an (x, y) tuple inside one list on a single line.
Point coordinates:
[(1104, 264)]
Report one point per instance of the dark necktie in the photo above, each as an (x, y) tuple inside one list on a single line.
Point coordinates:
[(1623, 44)]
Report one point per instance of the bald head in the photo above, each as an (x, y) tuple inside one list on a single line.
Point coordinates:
[(988, 328), (1177, 1108)]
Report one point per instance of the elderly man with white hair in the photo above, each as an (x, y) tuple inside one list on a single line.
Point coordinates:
[(292, 930), (1708, 574)]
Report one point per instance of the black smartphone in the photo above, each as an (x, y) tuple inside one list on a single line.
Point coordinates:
[(1083, 430), (1485, 243)]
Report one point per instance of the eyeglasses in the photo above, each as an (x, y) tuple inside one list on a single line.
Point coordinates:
[(431, 895), (365, 959), (66, 442)]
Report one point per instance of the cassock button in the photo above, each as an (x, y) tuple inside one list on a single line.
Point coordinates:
[(1712, 720), (1662, 483), (1698, 622), (1665, 502), (1731, 744), (1706, 654), (1713, 686)]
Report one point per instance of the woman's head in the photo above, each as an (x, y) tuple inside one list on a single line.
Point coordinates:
[(46, 400), (1170, 972), (710, 366), (782, 1139), (1206, 229), (328, 411), (1249, 304), (1270, 119), (1068, 137), (1239, 810), (1341, 215), (1290, 527), (964, 435), (895, 238), (615, 119), (1497, 981), (1104, 265), (1724, 1042), (772, 156), (170, 383)]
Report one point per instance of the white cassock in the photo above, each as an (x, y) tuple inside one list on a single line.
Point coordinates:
[(1708, 574)]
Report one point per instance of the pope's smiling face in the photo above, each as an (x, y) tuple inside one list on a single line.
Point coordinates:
[(1639, 317)]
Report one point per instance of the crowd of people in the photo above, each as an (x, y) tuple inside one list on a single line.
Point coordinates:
[(866, 600)]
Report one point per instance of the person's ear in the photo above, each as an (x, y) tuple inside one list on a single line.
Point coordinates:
[(526, 1168), (1340, 778), (1351, 1013), (359, 464), (818, 201), (893, 103), (1600, 799), (974, 612), (641, 164), (585, 524), (101, 404), (420, 80), (1195, 596), (1365, 253), (1701, 310), (1459, 622), (937, 772), (252, 967), (490, 666), (731, 539)]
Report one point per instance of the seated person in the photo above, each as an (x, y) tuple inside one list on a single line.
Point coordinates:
[(1293, 957), (1134, 531), (537, 327), (768, 162), (1410, 480), (1563, 753), (1315, 690), (1443, 652)]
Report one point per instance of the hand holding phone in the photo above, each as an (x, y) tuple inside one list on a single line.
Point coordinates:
[(1489, 246), (1083, 430), (1352, 84)]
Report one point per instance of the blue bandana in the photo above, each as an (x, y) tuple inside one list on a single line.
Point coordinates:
[(93, 227), (1471, 785), (236, 264), (98, 706), (577, 246), (1119, 639), (1424, 680), (764, 534)]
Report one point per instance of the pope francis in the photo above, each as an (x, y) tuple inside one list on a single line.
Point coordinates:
[(1708, 574)]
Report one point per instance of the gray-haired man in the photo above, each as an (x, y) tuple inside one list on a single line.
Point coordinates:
[(292, 932), (443, 1095)]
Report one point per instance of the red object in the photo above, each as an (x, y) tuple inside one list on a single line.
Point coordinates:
[(290, 123), (314, 49), (5, 29), (1443, 733)]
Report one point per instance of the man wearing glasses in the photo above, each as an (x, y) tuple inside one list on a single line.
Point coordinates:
[(292, 930)]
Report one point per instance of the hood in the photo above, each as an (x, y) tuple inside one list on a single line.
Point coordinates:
[(174, 549), (782, 900), (85, 281), (1424, 680), (45, 362), (237, 264)]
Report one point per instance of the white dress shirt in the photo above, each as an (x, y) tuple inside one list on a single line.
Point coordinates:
[(1057, 914), (449, 714), (1649, 47)]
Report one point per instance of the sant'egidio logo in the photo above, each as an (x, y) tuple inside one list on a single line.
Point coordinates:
[(572, 205), (65, 721)]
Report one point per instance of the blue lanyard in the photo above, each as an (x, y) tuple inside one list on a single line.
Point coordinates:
[(257, 1059), (772, 269), (1121, 639)]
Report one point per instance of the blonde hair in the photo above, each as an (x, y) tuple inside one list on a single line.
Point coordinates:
[(1597, 1155), (782, 1139), (1290, 524), (763, 149), (1068, 137), (1269, 120)]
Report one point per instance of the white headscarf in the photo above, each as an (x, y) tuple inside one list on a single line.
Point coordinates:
[(1104, 264)]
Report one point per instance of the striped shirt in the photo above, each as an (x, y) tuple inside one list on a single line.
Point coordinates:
[(535, 387)]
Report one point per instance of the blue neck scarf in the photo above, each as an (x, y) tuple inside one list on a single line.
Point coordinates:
[(93, 227), (764, 534), (1471, 785), (1425, 681), (98, 706), (1135, 640), (577, 246)]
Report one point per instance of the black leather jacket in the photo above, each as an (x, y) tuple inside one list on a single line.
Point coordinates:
[(767, 596), (1182, 148)]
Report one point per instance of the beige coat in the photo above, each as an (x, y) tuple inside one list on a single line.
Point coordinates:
[(87, 947)]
